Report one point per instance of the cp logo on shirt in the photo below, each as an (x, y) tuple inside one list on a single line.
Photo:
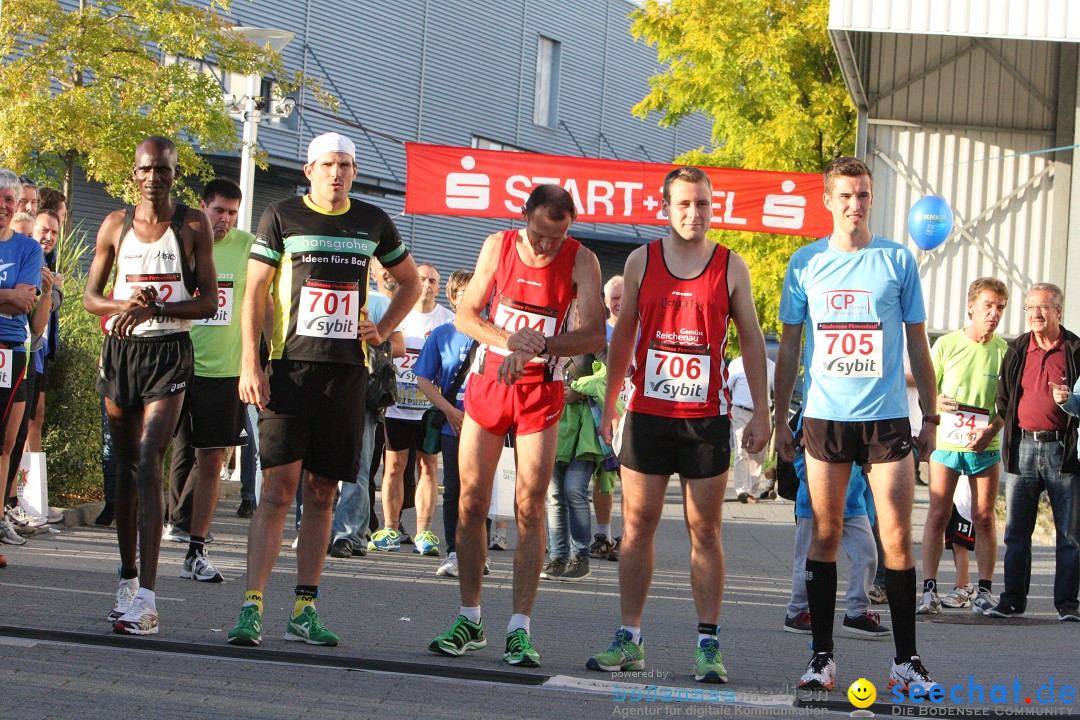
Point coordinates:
[(847, 300)]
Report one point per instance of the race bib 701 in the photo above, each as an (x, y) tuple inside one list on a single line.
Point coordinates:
[(328, 309)]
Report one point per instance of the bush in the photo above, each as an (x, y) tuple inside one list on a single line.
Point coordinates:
[(72, 436)]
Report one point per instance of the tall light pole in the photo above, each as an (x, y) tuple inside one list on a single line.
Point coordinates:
[(274, 40)]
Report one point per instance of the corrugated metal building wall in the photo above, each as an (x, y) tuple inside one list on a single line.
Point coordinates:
[(951, 103), (439, 71)]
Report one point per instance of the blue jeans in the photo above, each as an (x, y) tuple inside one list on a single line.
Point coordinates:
[(1040, 464), (250, 467), (354, 505), (568, 499)]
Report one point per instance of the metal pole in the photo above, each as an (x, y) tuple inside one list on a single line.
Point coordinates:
[(252, 116)]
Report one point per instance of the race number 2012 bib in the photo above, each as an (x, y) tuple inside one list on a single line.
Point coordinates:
[(512, 315), (957, 426), (224, 313), (328, 309), (677, 373), (849, 349)]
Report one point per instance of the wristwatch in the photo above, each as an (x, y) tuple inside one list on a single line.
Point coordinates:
[(932, 419), (159, 307)]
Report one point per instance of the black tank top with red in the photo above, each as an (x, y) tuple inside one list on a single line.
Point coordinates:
[(525, 296), (679, 368)]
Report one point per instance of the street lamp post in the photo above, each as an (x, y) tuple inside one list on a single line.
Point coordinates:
[(274, 40)]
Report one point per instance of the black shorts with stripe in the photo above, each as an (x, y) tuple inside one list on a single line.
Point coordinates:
[(134, 371)]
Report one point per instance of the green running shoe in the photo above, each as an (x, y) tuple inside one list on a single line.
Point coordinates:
[(709, 663), (519, 650), (306, 627), (462, 636), (624, 654), (426, 543), (385, 540), (248, 630)]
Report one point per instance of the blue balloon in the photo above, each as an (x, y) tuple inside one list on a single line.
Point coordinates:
[(930, 221)]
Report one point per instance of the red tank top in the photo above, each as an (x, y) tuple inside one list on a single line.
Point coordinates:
[(679, 368), (527, 296)]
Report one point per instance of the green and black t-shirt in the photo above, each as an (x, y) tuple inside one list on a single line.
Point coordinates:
[(322, 259)]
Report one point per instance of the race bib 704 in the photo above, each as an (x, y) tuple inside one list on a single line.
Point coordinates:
[(513, 315)]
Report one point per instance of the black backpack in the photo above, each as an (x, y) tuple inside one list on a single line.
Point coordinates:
[(382, 377), (787, 480)]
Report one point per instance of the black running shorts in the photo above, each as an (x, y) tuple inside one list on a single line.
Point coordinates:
[(316, 415), (959, 531), (691, 447), (873, 441), (404, 434), (215, 415), (134, 371)]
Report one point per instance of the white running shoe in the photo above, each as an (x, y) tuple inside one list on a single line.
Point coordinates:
[(983, 601), (498, 540), (911, 674), (8, 534), (820, 673), (929, 605), (16, 515), (198, 567), (960, 597), (449, 567), (140, 619), (125, 595)]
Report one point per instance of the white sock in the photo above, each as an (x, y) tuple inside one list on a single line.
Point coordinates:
[(148, 597), (472, 614), (604, 530), (635, 633), (518, 622), (703, 636)]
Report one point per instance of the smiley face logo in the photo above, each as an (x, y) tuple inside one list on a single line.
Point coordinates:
[(862, 693)]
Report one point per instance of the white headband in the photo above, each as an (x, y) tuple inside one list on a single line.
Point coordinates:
[(330, 143)]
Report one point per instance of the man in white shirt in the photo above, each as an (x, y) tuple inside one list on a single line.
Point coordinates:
[(746, 467)]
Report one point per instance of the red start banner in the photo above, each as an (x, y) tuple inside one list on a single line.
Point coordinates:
[(445, 180)]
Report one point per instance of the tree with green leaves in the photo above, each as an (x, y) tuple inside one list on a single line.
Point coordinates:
[(765, 73), (84, 85)]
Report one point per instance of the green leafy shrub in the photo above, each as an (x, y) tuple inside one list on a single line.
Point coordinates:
[(72, 436)]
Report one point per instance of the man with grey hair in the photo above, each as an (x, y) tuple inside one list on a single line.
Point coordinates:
[(1038, 449)]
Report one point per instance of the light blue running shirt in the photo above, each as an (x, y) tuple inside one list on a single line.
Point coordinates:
[(854, 307)]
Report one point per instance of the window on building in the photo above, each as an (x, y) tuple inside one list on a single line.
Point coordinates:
[(546, 105), (482, 143)]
